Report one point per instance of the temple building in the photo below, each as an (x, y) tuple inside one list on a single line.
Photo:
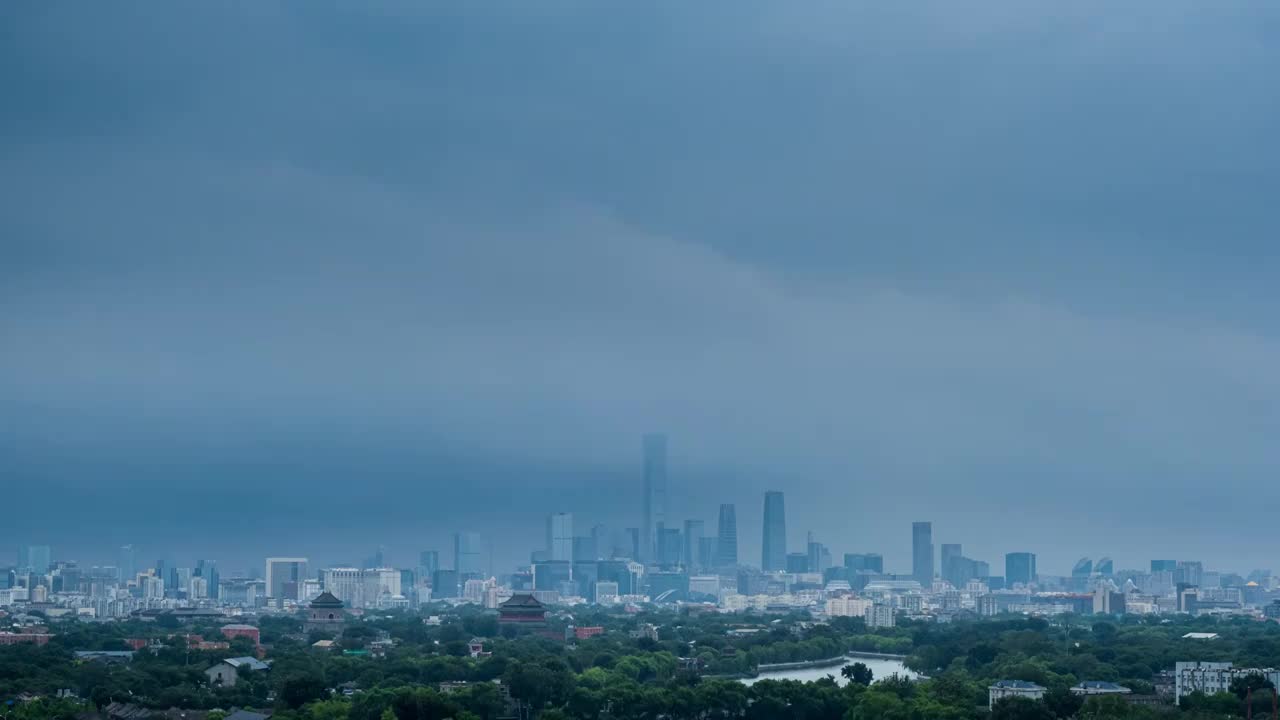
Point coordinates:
[(522, 610), (325, 615)]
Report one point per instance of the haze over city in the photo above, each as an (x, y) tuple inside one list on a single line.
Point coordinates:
[(309, 279)]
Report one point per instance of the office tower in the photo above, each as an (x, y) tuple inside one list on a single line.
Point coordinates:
[(208, 570), (692, 543), (797, 563), (819, 557), (429, 561), (867, 562), (553, 575), (922, 553), (284, 576), (182, 581), (1105, 567), (1082, 569), (655, 492), (584, 549), (560, 537), (633, 543), (602, 539), (126, 566), (669, 547), (773, 555), (34, 558), (1019, 568), (444, 584), (951, 570), (377, 559), (707, 552), (1163, 565), (616, 571), (1189, 572), (468, 561), (727, 537)]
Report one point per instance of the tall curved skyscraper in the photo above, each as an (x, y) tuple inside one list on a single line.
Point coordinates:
[(773, 556), (727, 537)]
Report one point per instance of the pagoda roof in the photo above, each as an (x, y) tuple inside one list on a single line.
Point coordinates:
[(326, 600), (522, 601)]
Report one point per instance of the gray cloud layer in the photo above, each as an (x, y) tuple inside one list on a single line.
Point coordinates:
[(1009, 267)]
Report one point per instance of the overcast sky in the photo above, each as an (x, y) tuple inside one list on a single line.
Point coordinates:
[(306, 278)]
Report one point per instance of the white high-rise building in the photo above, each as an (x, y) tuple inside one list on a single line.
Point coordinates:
[(879, 616), (285, 576), (848, 606), (346, 584)]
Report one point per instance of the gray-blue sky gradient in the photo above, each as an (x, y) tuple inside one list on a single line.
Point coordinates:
[(1009, 266)]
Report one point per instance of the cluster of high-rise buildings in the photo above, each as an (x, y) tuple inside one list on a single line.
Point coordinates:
[(663, 559)]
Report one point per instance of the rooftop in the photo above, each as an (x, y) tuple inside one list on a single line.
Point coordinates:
[(250, 662), (326, 599), (1016, 685)]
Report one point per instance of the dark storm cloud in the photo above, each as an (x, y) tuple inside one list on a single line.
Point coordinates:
[(901, 261)]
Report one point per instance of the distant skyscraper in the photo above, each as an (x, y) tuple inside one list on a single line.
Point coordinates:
[(670, 547), (208, 571), (655, 492), (284, 576), (468, 560), (1019, 568), (1083, 568), (818, 554), (922, 552), (773, 555), (126, 566), (951, 555), (1105, 567), (34, 558), (727, 537), (707, 552), (692, 542), (560, 537), (1164, 565), (869, 562), (632, 536), (429, 561)]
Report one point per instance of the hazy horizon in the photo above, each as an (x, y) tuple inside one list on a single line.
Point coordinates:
[(311, 278)]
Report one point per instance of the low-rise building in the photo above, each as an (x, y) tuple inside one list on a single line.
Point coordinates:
[(1099, 687), (225, 673), (1013, 688), (1213, 677)]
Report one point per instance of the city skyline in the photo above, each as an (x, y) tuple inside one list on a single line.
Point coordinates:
[(914, 302)]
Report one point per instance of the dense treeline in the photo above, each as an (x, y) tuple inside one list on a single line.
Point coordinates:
[(615, 675)]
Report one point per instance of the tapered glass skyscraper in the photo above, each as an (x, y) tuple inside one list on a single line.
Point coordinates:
[(727, 537), (655, 493), (773, 555)]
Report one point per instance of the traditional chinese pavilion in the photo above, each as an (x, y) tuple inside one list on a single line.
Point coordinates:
[(524, 610)]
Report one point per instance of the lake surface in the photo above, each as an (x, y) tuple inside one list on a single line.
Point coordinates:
[(880, 668)]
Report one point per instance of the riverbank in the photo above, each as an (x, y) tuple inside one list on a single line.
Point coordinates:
[(781, 667), (876, 656)]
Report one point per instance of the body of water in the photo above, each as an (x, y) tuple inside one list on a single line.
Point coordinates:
[(880, 668)]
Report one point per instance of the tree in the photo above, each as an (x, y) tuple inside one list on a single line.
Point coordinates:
[(1062, 702), (1020, 708), (299, 689), (1242, 686), (857, 673)]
